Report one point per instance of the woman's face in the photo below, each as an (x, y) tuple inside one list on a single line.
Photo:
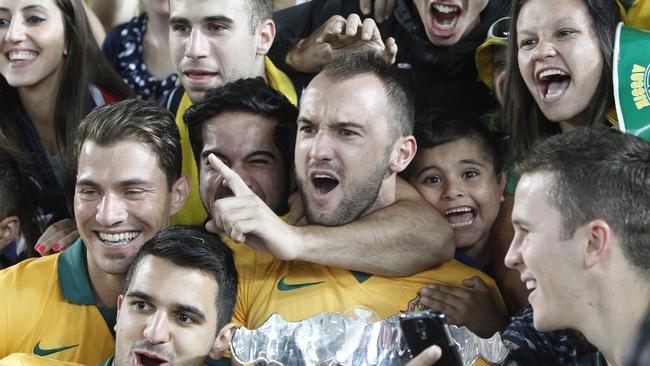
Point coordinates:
[(32, 41), (559, 56)]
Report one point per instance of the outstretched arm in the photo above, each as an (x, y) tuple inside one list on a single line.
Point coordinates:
[(398, 240)]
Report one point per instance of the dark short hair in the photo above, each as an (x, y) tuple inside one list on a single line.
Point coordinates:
[(9, 186), (260, 10), (18, 197), (437, 127), (250, 95), (352, 64), (599, 173), (195, 248), (138, 120), (523, 117)]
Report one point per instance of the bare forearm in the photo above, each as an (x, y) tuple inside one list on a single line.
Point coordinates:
[(402, 239)]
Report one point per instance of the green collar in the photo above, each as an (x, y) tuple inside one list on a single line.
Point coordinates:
[(108, 362), (73, 275), (75, 282)]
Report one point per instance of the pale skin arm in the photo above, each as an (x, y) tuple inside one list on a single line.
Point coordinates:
[(399, 240)]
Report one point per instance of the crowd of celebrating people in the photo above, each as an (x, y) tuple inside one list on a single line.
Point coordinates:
[(210, 163)]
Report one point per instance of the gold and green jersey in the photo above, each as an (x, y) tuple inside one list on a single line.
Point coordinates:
[(297, 290), (47, 308), (28, 359), (193, 212)]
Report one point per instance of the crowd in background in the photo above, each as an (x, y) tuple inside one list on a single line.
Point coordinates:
[(498, 190)]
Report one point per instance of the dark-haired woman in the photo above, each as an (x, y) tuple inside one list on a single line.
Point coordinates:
[(52, 75)]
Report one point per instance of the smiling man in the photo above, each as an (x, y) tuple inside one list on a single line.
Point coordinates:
[(583, 249), (436, 41), (128, 184)]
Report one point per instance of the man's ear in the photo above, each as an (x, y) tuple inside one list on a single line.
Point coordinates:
[(180, 192), (120, 299), (266, 34), (9, 230), (503, 179), (403, 153), (222, 342), (599, 239)]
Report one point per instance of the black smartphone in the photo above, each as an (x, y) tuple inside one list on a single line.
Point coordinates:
[(425, 328)]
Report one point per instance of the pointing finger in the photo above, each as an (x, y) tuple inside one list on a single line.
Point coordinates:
[(230, 178)]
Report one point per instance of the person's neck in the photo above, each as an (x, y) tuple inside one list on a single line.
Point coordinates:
[(479, 252), (106, 286), (572, 123), (616, 318), (39, 102), (260, 68), (386, 195)]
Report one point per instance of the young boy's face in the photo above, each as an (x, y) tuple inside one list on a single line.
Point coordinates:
[(460, 182)]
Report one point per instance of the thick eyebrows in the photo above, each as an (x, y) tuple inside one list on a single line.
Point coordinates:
[(207, 19), (261, 153), (184, 308), (216, 152), (86, 182), (140, 295), (177, 307), (353, 125), (124, 183)]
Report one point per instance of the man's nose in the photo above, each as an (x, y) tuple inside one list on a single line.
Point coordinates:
[(196, 46), (321, 147), (158, 328), (111, 210)]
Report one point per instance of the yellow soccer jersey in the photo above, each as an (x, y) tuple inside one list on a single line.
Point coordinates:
[(298, 290), (47, 308), (26, 359), (193, 212)]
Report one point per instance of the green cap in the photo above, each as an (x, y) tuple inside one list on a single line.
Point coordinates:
[(632, 80)]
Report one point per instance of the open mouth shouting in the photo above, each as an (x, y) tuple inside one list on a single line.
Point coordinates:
[(117, 239), (443, 19), (149, 359), (323, 183), (461, 218), (552, 83)]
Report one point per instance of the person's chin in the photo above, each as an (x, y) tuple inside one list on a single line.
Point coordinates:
[(443, 41)]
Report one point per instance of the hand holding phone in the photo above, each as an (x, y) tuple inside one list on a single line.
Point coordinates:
[(425, 328)]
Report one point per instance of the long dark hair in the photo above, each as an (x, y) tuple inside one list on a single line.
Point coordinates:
[(523, 117), (82, 66)]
